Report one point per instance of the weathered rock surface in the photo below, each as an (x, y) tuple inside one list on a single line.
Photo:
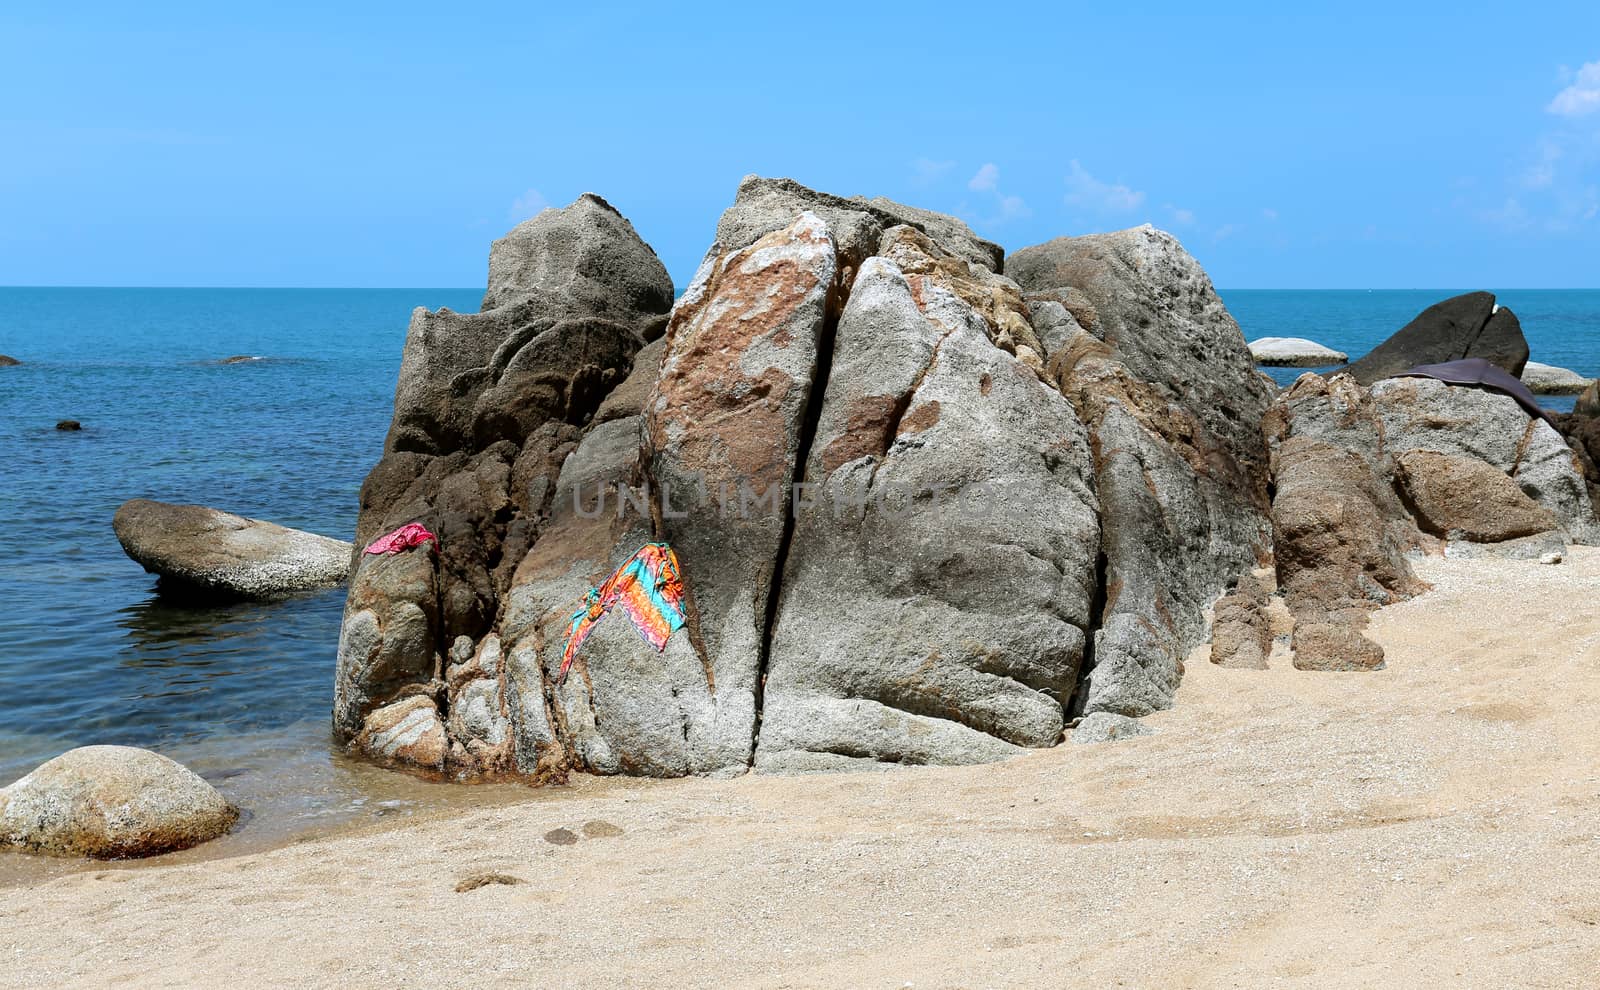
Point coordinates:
[(1588, 401), (1547, 379), (1161, 376), (880, 462), (1241, 627), (940, 579), (1464, 326), (1101, 727), (1463, 498), (1294, 352), (1341, 537), (407, 732), (201, 549), (488, 408), (7, 361), (855, 224), (111, 802), (1471, 464)]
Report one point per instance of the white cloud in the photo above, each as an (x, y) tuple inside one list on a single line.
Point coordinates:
[(1180, 215), (1225, 231), (1582, 97), (926, 171), (1013, 208), (530, 203), (1006, 208), (1084, 190), (1269, 213)]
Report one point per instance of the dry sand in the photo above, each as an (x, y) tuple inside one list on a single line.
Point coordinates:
[(1433, 824)]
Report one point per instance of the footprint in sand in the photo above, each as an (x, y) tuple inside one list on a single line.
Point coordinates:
[(561, 836), (475, 880)]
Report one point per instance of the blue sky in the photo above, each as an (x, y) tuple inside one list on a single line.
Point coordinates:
[(1365, 146)]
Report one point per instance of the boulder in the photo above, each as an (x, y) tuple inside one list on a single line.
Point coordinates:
[(1546, 379), (111, 802), (1472, 464), (241, 359), (1588, 401), (1294, 352), (408, 733), (1159, 373), (7, 361), (195, 548), (938, 585), (1423, 414), (876, 459), (1241, 627), (1463, 498), (1340, 540), (1465, 326), (69, 426), (488, 407)]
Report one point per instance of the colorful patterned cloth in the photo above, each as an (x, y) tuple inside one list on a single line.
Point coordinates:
[(650, 588), (407, 536)]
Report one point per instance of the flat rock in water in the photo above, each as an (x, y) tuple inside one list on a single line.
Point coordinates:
[(1547, 379), (217, 552), (111, 802), (7, 361), (1294, 352), (69, 426)]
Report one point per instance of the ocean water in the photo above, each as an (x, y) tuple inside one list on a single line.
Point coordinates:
[(1562, 325), (89, 654)]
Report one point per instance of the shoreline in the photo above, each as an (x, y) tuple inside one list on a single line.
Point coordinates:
[(1429, 822)]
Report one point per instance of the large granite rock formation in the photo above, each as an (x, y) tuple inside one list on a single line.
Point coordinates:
[(892, 517), (111, 802), (488, 408), (1160, 374), (1364, 476), (1465, 326), (196, 549)]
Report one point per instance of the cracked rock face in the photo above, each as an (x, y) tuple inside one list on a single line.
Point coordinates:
[(884, 468), (1160, 375)]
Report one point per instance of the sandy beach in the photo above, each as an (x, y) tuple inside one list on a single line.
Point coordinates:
[(1436, 823)]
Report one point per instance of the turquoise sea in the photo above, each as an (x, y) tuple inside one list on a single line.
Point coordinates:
[(88, 654)]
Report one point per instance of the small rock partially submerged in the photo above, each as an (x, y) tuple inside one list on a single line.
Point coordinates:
[(241, 359), (7, 361), (1294, 352), (203, 549), (69, 426), (111, 802), (1547, 379)]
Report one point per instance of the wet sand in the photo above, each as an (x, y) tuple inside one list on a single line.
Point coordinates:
[(1436, 823)]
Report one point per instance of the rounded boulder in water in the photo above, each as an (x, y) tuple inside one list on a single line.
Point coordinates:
[(112, 802)]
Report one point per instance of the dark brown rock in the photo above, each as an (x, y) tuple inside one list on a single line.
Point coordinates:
[(1465, 326)]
